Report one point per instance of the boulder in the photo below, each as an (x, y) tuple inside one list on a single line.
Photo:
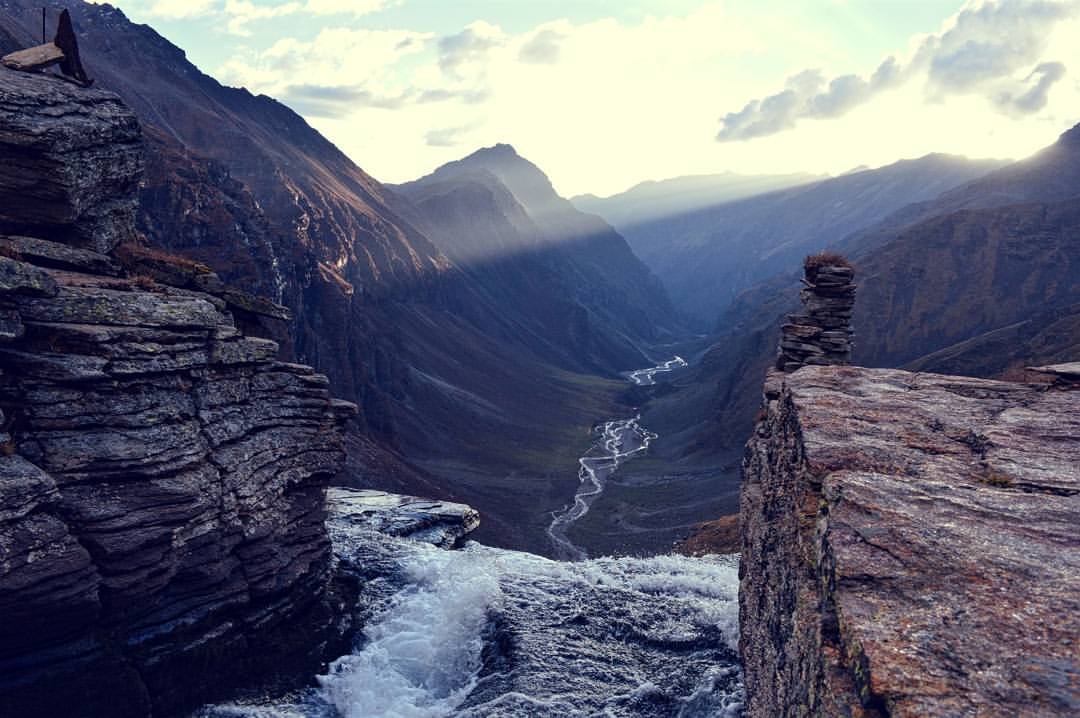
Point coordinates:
[(442, 523)]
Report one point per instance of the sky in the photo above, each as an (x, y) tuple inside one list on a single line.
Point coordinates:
[(603, 95)]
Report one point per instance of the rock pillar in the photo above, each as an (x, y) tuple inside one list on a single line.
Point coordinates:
[(822, 335)]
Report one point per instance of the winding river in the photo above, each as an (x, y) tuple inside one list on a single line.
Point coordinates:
[(481, 632), (618, 441), (646, 377)]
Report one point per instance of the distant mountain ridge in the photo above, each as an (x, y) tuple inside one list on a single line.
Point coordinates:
[(706, 257), (656, 199)]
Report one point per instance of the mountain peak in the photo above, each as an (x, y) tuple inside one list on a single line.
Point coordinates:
[(522, 178), (500, 151), (1070, 137), (501, 148)]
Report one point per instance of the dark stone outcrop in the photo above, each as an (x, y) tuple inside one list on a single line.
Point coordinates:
[(162, 475), (910, 547), (822, 335), (1064, 375), (72, 160)]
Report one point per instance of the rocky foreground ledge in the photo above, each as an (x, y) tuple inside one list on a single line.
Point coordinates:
[(911, 547), (162, 475)]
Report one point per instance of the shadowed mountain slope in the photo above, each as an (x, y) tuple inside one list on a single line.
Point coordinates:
[(706, 257), (981, 291), (244, 184), (584, 300)]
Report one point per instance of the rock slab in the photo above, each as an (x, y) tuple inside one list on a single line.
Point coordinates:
[(910, 547), (442, 523), (72, 162)]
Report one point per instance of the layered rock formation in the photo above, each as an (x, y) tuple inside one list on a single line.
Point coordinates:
[(910, 547), (162, 476), (822, 336), (442, 523), (71, 163)]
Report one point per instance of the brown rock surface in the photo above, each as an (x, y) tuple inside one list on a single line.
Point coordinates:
[(719, 536), (910, 547)]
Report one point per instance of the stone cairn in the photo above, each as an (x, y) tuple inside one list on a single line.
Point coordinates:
[(822, 335)]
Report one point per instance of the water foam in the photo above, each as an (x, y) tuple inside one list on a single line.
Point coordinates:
[(501, 634), (422, 657)]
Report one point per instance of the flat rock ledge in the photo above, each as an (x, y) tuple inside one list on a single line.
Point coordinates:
[(442, 523), (911, 547)]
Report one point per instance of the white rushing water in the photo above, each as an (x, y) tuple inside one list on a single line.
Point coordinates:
[(619, 440), (488, 633), (481, 632)]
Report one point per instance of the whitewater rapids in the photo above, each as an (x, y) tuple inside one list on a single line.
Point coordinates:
[(481, 632)]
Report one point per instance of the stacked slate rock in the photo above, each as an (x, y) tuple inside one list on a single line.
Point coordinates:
[(162, 475), (823, 334)]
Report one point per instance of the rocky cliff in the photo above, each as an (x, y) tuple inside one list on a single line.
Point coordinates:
[(464, 390), (162, 476), (909, 547)]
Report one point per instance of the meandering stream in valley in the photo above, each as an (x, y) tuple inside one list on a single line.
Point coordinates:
[(481, 632), (619, 440)]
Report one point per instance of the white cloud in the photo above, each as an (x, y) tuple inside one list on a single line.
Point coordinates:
[(990, 48), (447, 136), (345, 7), (601, 105), (180, 9), (238, 15), (543, 47), (1035, 96), (241, 13), (339, 71)]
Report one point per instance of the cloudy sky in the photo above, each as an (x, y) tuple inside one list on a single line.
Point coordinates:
[(603, 95)]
